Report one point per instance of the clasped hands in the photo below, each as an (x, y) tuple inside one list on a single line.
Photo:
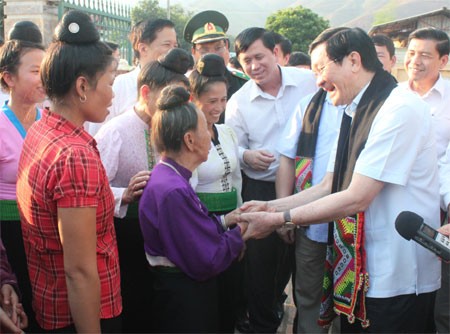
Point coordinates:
[(256, 219), (12, 316)]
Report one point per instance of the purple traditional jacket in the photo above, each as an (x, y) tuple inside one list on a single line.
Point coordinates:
[(176, 225), (6, 274)]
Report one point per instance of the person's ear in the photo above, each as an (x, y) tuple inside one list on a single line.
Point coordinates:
[(8, 77), (189, 141), (443, 61), (143, 49), (144, 92), (355, 61), (81, 88), (393, 61)]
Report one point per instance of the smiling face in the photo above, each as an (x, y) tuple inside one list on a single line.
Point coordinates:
[(166, 40), (423, 63), (26, 84), (337, 79), (259, 63), (213, 102)]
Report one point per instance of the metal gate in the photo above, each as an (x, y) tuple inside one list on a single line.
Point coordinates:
[(112, 19)]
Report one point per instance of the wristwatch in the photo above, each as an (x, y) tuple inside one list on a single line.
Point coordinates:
[(287, 220)]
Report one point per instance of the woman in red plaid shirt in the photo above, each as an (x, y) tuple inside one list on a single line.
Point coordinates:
[(64, 198)]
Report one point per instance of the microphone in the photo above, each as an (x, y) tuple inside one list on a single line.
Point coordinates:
[(411, 226)]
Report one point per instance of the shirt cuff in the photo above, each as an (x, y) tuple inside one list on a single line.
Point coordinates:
[(241, 156), (120, 209)]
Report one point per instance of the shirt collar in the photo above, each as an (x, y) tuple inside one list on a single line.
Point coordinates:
[(286, 80), (58, 122), (351, 108), (438, 87), (184, 172)]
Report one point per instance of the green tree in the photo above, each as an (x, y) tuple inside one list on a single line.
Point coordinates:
[(150, 9), (300, 25)]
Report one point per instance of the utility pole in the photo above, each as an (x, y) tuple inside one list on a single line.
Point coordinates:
[(168, 9)]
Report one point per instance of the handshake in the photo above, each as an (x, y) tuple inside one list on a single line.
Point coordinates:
[(256, 219)]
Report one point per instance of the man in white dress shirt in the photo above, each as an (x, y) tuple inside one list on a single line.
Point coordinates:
[(315, 124), (427, 54), (257, 113), (150, 40), (383, 163)]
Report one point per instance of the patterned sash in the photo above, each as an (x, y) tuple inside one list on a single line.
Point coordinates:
[(346, 259), (306, 147)]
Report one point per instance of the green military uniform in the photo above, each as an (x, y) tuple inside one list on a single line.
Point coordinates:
[(210, 26)]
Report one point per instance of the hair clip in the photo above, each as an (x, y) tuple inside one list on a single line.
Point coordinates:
[(74, 28), (200, 66)]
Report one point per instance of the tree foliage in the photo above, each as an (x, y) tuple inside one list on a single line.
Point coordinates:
[(386, 13), (300, 25), (150, 9)]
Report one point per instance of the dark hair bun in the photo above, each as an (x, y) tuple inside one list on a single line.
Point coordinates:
[(172, 96), (211, 65), (177, 60), (25, 31), (76, 27)]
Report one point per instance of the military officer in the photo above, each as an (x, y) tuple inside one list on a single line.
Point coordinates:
[(206, 31)]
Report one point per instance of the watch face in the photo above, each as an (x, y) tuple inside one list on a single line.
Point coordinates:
[(289, 226)]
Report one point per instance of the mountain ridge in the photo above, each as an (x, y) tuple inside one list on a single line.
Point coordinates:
[(351, 13)]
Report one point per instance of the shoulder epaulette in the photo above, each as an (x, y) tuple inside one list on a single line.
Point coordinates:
[(240, 74)]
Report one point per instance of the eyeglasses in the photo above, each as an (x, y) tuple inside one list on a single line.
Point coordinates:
[(322, 69), (204, 50)]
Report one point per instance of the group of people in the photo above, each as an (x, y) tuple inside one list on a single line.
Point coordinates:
[(183, 195)]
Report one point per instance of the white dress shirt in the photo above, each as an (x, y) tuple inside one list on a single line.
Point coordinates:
[(438, 98), (444, 179), (258, 118), (330, 123), (401, 152)]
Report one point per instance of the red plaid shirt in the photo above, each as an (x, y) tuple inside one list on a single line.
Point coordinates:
[(61, 167)]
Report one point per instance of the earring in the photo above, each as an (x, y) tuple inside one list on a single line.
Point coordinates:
[(83, 99)]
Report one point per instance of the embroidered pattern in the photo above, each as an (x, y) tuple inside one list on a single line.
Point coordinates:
[(226, 187), (303, 173), (349, 276), (150, 152)]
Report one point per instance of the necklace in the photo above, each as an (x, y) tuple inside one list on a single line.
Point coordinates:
[(170, 166)]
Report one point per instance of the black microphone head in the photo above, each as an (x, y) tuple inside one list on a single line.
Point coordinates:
[(407, 224)]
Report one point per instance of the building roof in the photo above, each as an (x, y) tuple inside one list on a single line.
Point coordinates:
[(407, 25)]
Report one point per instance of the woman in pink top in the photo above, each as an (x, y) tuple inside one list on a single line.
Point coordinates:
[(19, 76)]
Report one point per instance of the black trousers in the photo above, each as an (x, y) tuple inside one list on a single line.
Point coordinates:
[(136, 284), (400, 314), (11, 234), (267, 267), (182, 305)]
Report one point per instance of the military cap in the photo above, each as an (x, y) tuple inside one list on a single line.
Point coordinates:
[(204, 27)]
